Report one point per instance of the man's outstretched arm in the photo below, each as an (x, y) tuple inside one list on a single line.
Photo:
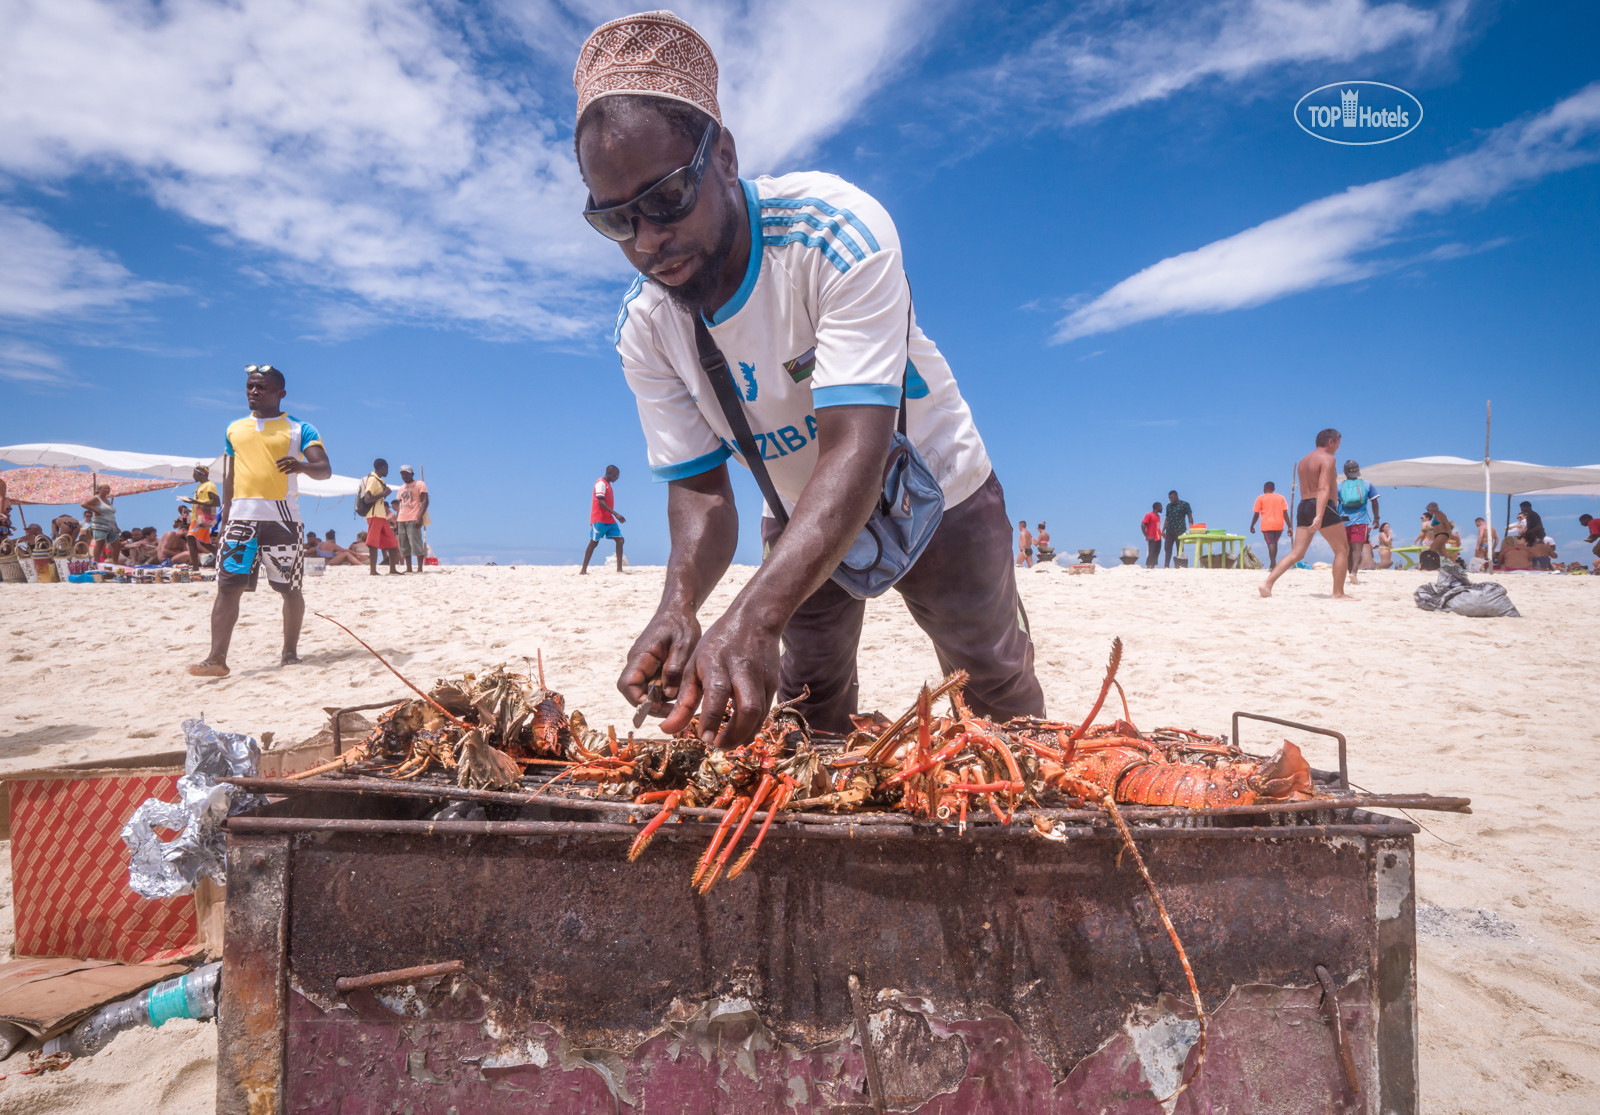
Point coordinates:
[(704, 525), (733, 674)]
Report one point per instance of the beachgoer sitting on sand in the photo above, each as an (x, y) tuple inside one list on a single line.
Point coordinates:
[(267, 451), (1515, 555), (1318, 514), (329, 547), (143, 546), (174, 546), (1385, 547), (355, 555), (311, 543)]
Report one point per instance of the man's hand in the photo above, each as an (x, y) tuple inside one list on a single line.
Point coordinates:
[(660, 653), (732, 676), (621, 518)]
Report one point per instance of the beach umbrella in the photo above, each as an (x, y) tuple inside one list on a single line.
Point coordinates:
[(52, 486)]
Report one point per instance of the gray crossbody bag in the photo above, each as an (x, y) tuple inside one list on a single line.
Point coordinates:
[(908, 508)]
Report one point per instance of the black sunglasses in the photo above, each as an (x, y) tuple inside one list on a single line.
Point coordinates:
[(667, 202)]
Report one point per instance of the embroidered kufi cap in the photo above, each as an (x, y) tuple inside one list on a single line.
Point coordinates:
[(651, 54)]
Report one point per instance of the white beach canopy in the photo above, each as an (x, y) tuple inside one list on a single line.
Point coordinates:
[(1458, 474), (1590, 488), (1489, 476), (169, 467)]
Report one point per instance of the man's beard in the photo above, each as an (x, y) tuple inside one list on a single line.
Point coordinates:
[(693, 293)]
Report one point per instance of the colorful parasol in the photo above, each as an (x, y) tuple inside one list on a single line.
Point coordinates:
[(44, 484)]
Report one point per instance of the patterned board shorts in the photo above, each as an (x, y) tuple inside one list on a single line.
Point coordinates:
[(249, 544)]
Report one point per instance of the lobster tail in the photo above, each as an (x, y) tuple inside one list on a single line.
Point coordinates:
[(1286, 776)]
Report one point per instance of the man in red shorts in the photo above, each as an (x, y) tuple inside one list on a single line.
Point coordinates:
[(381, 538)]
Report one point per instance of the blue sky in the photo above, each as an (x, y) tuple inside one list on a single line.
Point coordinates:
[(1144, 275)]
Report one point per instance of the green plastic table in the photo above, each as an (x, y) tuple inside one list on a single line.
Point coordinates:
[(1409, 554), (1230, 546)]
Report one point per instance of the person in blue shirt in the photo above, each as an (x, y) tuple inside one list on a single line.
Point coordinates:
[(1358, 503)]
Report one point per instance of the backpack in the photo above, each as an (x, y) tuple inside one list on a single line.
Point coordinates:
[(364, 499), (1352, 494)]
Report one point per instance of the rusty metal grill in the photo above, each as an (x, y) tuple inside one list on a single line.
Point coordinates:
[(541, 808)]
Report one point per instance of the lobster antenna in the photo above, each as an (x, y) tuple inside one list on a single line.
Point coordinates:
[(1105, 687), (463, 725), (1161, 908)]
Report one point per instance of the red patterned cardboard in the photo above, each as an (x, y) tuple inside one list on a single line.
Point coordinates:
[(69, 873)]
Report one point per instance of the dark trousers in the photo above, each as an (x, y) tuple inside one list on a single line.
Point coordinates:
[(1172, 542), (962, 592), (1155, 553)]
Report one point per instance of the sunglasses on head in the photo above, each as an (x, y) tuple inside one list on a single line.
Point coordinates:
[(252, 369), (667, 202)]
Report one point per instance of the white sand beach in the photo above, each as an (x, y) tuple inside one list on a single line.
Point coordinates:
[(1509, 925)]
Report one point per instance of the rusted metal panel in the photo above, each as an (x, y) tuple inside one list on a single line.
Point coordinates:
[(1394, 900), (252, 1012), (1001, 973)]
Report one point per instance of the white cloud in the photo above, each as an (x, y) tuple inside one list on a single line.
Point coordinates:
[(22, 363), (388, 149), (43, 274), (1330, 241), (1111, 56)]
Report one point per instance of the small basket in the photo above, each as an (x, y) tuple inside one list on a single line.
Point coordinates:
[(11, 570)]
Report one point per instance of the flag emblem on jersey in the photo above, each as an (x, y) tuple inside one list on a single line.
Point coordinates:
[(801, 367), (749, 373)]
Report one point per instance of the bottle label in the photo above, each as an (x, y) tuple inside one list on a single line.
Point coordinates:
[(168, 1001)]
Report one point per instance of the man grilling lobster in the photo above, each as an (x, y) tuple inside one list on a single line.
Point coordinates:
[(771, 320)]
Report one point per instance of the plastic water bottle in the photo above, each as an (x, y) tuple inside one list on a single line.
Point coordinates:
[(192, 995)]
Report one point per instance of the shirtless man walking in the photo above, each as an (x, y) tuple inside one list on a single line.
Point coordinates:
[(1319, 470)]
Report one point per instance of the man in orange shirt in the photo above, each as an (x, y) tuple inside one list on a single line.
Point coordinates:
[(1273, 511)]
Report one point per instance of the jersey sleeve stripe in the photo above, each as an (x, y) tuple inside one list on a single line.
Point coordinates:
[(692, 467), (622, 314), (855, 394), (839, 234), (828, 253), (822, 206)]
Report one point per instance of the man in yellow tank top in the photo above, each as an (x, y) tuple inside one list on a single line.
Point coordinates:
[(260, 525)]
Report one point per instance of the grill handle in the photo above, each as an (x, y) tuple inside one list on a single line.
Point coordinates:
[(1344, 769)]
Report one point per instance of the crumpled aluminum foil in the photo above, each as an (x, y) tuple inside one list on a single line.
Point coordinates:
[(161, 868)]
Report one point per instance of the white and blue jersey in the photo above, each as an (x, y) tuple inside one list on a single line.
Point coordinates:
[(822, 319)]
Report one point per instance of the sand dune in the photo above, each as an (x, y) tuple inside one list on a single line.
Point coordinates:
[(1500, 710)]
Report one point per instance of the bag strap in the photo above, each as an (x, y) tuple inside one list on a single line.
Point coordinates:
[(715, 366)]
